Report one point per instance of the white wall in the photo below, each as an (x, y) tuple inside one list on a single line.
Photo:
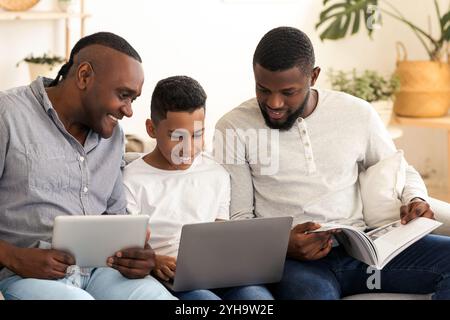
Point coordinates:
[(213, 41)]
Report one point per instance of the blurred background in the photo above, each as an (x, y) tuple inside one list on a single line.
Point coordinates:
[(213, 41)]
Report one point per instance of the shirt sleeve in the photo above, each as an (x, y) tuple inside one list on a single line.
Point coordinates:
[(224, 199), (4, 141), (233, 159), (117, 202), (133, 206), (381, 146)]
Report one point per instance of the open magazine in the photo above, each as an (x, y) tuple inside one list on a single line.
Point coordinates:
[(377, 247)]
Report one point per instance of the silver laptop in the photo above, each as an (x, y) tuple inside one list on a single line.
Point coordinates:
[(231, 253), (92, 239)]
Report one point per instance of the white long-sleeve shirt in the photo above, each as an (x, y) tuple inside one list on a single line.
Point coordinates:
[(312, 173)]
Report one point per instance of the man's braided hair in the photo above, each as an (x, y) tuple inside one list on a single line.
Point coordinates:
[(106, 39)]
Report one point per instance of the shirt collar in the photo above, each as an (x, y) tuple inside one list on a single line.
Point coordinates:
[(38, 89)]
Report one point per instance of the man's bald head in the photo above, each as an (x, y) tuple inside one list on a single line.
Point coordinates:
[(93, 48)]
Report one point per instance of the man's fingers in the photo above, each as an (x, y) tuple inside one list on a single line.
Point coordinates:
[(60, 267), (135, 253), (408, 217), (324, 251), (411, 213), (168, 272), (403, 211), (308, 226), (414, 210), (63, 257), (429, 214), (128, 263), (161, 275), (317, 243), (420, 209), (172, 265), (317, 237)]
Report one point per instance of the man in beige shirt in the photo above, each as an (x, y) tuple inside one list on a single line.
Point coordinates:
[(323, 139)]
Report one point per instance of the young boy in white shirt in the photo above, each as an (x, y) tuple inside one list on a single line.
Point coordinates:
[(177, 183)]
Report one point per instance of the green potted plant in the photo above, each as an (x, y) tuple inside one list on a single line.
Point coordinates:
[(425, 85), (370, 86), (45, 65), (65, 5)]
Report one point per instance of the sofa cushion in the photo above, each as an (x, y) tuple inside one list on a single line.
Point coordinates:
[(381, 187), (388, 296)]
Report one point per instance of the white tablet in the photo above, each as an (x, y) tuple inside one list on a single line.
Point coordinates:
[(92, 239)]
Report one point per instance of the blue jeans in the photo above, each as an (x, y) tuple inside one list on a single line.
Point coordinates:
[(422, 268), (100, 283), (255, 292)]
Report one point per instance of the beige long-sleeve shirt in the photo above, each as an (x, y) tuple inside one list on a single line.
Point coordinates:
[(311, 171)]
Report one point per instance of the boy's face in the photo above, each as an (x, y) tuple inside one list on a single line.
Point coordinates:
[(179, 137)]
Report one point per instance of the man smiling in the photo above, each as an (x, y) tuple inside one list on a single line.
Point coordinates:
[(325, 139), (60, 154)]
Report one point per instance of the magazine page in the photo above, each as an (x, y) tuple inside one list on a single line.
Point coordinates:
[(393, 238), (356, 243), (358, 246)]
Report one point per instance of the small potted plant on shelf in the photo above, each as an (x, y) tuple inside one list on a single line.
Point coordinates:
[(425, 85), (65, 5), (46, 65), (370, 86)]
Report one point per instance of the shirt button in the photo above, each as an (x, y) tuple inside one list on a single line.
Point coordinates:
[(85, 189), (81, 159), (307, 144), (304, 131)]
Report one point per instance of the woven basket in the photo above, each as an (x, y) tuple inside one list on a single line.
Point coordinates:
[(17, 5), (424, 88)]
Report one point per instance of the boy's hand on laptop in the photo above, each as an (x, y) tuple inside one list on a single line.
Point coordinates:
[(39, 263), (416, 208), (134, 263), (165, 267), (309, 246)]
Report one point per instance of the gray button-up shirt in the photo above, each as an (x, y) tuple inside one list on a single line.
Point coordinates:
[(45, 172)]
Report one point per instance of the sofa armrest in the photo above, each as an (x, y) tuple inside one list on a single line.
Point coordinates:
[(131, 156), (441, 211)]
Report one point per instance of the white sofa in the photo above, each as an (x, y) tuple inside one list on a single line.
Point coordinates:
[(442, 211), (442, 214)]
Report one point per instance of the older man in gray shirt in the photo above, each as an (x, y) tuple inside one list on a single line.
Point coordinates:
[(60, 154)]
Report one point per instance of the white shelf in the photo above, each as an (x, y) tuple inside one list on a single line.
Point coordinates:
[(50, 15), (36, 15)]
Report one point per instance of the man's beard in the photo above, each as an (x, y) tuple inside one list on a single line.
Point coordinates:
[(289, 122)]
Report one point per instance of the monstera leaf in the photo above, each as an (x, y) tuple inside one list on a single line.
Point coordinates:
[(341, 14), (445, 23)]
